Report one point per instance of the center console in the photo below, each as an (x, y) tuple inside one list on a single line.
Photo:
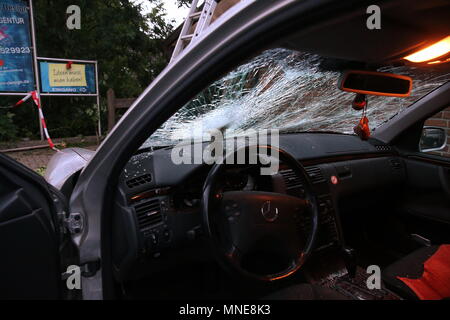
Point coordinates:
[(328, 233)]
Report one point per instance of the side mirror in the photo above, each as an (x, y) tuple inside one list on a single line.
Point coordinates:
[(432, 139), (376, 83)]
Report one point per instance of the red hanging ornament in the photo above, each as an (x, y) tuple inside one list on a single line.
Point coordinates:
[(362, 129)]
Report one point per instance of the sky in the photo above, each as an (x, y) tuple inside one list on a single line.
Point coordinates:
[(173, 12)]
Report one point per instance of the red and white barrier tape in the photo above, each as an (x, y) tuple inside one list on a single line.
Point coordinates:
[(23, 100), (37, 102)]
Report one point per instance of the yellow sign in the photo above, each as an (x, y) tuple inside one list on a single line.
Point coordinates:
[(60, 76)]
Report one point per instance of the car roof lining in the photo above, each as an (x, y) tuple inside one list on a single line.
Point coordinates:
[(347, 37)]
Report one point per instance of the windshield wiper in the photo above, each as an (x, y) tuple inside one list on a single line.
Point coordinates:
[(152, 149)]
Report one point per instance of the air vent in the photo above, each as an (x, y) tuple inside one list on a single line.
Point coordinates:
[(292, 181), (134, 182), (315, 174), (384, 148), (148, 213)]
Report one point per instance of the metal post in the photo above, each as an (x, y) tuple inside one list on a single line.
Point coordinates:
[(36, 70), (110, 97), (98, 101)]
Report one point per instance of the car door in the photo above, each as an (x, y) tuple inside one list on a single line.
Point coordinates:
[(31, 241), (426, 202)]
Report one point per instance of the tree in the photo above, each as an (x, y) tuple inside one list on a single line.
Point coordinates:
[(185, 3), (128, 45)]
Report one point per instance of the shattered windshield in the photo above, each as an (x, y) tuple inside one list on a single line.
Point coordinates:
[(286, 90)]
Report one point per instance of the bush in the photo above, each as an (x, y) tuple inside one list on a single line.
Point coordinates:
[(8, 130)]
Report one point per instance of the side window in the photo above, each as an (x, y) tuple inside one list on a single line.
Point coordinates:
[(435, 138)]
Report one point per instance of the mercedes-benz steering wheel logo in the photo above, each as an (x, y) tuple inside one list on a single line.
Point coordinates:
[(269, 212)]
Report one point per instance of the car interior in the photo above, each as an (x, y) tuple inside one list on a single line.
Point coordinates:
[(346, 202), (377, 213), (379, 203)]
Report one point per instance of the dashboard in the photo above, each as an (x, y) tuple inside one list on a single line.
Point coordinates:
[(158, 219)]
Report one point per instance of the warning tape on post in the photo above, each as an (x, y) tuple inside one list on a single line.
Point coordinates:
[(37, 101)]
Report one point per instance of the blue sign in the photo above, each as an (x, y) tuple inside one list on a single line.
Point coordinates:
[(16, 58), (67, 78)]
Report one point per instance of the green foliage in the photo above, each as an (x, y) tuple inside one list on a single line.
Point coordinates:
[(128, 45), (41, 170), (184, 3), (8, 130)]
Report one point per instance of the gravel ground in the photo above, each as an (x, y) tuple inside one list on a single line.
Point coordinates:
[(37, 159)]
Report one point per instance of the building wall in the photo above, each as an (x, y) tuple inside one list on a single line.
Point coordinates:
[(441, 120), (223, 6)]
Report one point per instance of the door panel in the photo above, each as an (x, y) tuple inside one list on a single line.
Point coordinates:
[(29, 245), (426, 202)]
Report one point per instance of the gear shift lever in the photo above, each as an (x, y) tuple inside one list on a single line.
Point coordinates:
[(349, 255)]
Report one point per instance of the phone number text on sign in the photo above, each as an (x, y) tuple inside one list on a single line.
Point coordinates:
[(16, 60), (15, 50)]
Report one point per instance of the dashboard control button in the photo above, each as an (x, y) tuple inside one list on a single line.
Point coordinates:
[(154, 238), (194, 233), (190, 234), (166, 235)]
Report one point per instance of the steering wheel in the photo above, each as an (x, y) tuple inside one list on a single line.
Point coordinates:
[(238, 223)]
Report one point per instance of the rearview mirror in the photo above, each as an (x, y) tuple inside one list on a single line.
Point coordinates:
[(376, 83), (432, 139)]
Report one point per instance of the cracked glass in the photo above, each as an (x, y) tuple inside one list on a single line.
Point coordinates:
[(290, 91)]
